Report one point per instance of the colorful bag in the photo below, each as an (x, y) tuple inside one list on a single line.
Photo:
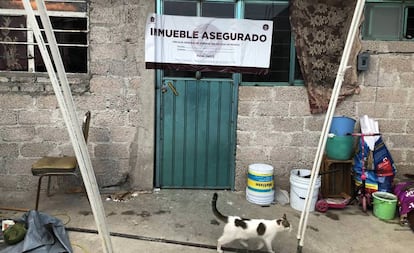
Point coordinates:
[(379, 171), (405, 194), (383, 163)]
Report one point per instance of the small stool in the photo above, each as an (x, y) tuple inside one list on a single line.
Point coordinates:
[(336, 177)]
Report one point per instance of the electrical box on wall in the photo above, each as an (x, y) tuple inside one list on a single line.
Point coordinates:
[(363, 61)]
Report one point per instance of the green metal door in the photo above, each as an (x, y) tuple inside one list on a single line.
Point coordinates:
[(196, 135), (196, 115)]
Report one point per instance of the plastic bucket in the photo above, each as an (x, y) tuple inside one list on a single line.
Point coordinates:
[(260, 184), (385, 204), (299, 185), (339, 147), (342, 125)]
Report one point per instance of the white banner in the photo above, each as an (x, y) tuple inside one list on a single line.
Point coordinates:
[(208, 41)]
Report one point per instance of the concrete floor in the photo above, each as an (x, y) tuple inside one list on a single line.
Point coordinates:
[(181, 217)]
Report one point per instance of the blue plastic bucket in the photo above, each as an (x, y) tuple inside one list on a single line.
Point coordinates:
[(342, 125)]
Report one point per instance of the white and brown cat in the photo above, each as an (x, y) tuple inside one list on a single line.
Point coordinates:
[(243, 229)]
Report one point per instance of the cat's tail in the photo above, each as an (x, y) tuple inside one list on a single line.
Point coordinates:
[(216, 212)]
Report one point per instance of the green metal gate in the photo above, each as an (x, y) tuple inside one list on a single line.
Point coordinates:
[(196, 129)]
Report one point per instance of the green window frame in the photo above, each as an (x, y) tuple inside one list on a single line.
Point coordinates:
[(388, 20)]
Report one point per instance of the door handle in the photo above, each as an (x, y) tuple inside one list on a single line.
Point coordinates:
[(173, 89)]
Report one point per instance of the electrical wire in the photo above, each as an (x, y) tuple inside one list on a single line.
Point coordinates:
[(81, 247), (160, 240), (64, 214)]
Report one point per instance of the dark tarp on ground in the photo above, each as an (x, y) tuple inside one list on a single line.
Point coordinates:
[(321, 28), (45, 234)]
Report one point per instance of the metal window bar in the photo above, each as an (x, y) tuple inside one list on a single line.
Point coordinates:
[(28, 29), (30, 39), (47, 44), (18, 12)]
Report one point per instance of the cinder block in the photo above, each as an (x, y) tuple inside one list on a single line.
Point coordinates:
[(276, 108), (3, 169), (110, 118), (305, 139), (106, 85), (15, 101), (410, 158), (392, 125), (395, 64), (392, 95), (16, 134), (97, 67), (46, 102), (8, 117), (374, 110), (110, 15), (108, 51), (123, 134), (406, 81), (103, 165), (9, 150), (37, 149), (52, 133), (299, 108), (405, 141), (255, 124), (99, 134), (401, 111), (19, 166), (283, 124), (366, 94), (285, 153), (258, 153), (256, 93), (290, 93), (112, 150), (388, 79), (26, 183), (35, 117), (410, 127), (91, 102), (272, 138)]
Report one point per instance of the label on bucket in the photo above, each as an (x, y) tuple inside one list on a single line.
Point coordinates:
[(260, 182)]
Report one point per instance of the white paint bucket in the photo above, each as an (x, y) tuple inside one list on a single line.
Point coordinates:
[(260, 184), (299, 185)]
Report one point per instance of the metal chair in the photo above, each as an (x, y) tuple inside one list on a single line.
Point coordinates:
[(58, 166)]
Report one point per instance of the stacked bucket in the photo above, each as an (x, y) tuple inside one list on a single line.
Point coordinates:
[(340, 142), (260, 184)]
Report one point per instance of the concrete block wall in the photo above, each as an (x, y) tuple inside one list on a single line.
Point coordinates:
[(275, 127), (119, 92)]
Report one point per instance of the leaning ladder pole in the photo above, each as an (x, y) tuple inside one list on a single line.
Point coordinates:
[(67, 106), (328, 120)]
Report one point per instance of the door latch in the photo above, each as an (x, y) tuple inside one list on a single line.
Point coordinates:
[(173, 89), (164, 88)]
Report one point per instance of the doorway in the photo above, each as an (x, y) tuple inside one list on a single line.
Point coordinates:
[(196, 115)]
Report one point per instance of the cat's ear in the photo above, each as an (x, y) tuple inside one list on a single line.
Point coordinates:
[(284, 216)]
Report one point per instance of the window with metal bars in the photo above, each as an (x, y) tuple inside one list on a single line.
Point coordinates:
[(18, 49), (391, 20)]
